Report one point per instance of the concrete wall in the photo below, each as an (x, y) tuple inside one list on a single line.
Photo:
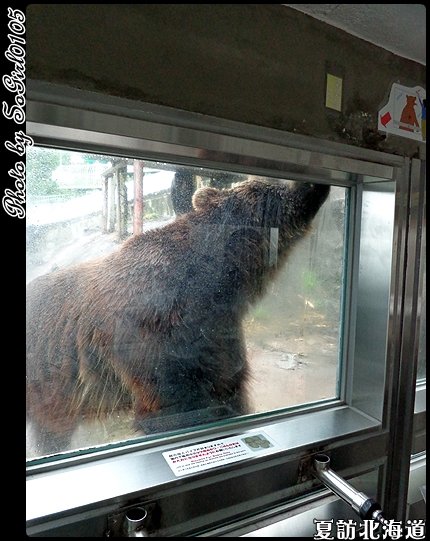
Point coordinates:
[(254, 63)]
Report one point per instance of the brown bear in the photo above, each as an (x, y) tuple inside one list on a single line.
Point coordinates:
[(156, 327)]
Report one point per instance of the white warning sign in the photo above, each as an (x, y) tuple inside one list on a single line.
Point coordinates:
[(204, 456), (405, 113)]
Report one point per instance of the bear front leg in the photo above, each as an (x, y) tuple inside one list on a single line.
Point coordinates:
[(186, 401)]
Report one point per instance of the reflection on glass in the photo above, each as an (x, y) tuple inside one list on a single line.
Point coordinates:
[(162, 297)]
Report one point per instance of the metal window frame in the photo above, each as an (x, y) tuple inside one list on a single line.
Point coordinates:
[(358, 442), (406, 420)]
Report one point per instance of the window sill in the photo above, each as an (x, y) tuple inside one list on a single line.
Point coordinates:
[(109, 480)]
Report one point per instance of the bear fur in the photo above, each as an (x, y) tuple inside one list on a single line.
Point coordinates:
[(156, 327)]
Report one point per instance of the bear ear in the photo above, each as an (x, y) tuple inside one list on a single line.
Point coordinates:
[(205, 198)]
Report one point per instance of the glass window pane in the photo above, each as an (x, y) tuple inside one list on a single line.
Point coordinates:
[(226, 310)]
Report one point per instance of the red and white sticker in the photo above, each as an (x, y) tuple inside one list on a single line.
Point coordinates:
[(205, 456), (405, 113)]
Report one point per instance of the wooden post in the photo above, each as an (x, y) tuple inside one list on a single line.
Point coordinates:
[(138, 197), (111, 203), (124, 200), (105, 209), (119, 223)]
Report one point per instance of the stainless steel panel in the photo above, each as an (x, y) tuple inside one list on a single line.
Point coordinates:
[(302, 525), (372, 298), (39, 92), (61, 491), (404, 382), (421, 309), (142, 138), (296, 519)]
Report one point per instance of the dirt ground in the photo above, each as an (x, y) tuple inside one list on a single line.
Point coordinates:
[(287, 369)]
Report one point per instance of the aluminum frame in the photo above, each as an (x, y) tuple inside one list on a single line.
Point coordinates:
[(406, 398)]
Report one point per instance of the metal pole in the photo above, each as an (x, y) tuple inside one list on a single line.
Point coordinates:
[(366, 507)]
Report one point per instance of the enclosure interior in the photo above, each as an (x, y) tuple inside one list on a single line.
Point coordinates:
[(292, 334)]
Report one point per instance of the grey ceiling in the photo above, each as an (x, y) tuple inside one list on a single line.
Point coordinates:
[(399, 28)]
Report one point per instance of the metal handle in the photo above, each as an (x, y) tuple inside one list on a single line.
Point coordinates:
[(366, 507), (134, 522)]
